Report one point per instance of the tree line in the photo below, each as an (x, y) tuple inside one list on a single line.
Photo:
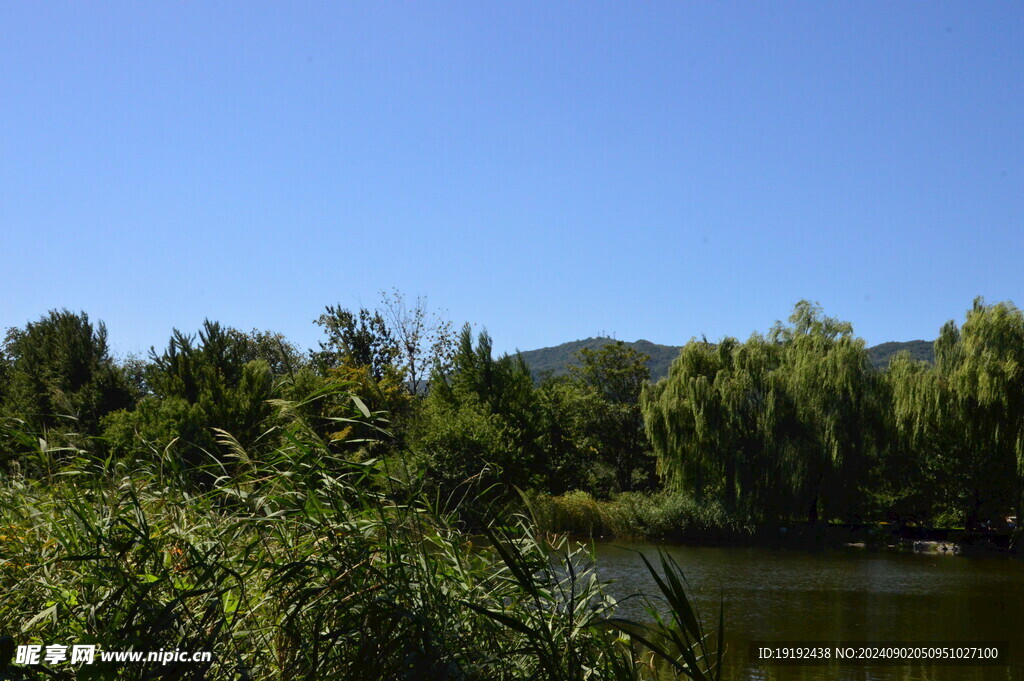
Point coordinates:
[(791, 424), (457, 419), (797, 424)]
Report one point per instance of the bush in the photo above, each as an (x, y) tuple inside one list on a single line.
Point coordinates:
[(636, 515)]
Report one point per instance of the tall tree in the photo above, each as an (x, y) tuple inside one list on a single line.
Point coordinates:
[(720, 424), (356, 339), (918, 474), (198, 385), (618, 373), (572, 426), (980, 369), (771, 422), (425, 339), (59, 367), (482, 413), (828, 378), (281, 356), (758, 418), (402, 335), (681, 414)]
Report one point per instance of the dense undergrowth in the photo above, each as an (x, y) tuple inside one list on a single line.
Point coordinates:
[(635, 515), (304, 564)]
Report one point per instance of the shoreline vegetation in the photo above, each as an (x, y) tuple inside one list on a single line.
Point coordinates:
[(635, 516), (676, 519), (792, 425)]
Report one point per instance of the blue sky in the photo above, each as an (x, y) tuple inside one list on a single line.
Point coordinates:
[(548, 170)]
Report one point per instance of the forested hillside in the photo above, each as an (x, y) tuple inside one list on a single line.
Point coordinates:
[(556, 360), (920, 350)]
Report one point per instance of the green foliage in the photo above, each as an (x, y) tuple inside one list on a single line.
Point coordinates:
[(985, 372), (357, 339), (712, 423), (799, 423), (386, 395), (773, 426), (828, 379), (280, 355), (503, 383), (57, 373), (670, 516), (915, 476), (402, 336), (618, 373), (965, 417), (792, 424), (195, 388), (571, 431), (579, 431), (481, 416), (615, 369), (464, 449)]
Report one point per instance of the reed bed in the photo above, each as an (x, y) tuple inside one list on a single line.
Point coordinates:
[(304, 564), (637, 516)]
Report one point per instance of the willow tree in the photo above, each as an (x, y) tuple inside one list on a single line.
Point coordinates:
[(828, 379), (916, 475), (711, 423), (682, 416), (980, 377), (760, 416)]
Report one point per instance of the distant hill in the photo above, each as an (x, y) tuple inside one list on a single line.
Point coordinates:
[(918, 349), (557, 360)]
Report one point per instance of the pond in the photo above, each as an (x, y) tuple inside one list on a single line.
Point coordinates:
[(841, 595)]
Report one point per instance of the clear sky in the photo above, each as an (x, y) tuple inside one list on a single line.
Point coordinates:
[(549, 170)]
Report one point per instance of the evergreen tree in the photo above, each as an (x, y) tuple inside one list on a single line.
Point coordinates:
[(59, 374), (197, 387), (356, 339), (483, 414)]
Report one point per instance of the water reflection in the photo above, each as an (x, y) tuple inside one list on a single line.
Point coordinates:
[(842, 595)]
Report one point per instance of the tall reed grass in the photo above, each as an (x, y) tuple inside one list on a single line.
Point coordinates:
[(302, 564), (636, 516)]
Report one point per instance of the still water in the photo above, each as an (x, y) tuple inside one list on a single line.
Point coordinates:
[(841, 595)]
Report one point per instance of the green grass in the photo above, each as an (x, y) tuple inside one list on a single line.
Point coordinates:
[(305, 565)]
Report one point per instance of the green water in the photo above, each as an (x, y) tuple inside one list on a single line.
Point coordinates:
[(842, 595)]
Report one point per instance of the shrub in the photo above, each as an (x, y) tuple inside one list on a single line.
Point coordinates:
[(636, 515)]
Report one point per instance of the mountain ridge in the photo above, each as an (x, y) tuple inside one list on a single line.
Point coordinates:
[(557, 359)]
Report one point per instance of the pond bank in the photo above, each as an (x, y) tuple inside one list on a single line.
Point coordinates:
[(665, 517), (942, 541)]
